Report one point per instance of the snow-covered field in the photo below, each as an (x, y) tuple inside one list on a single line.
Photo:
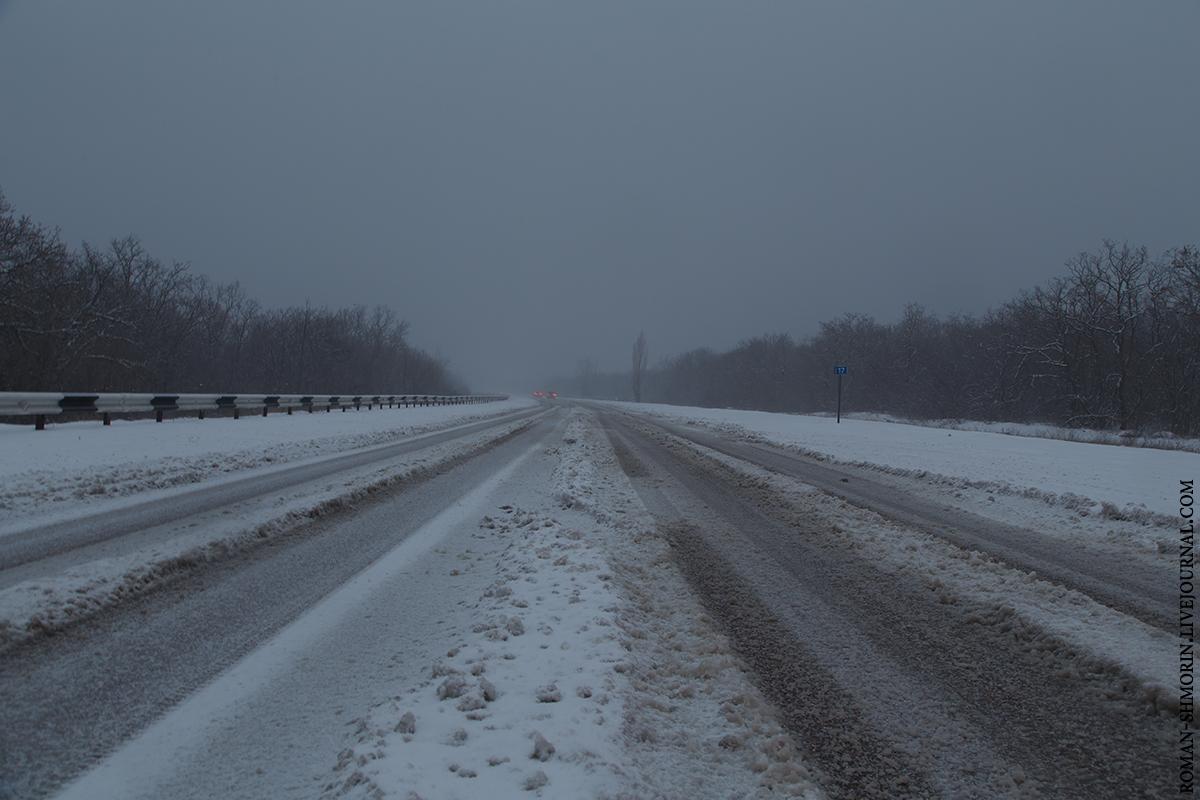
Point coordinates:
[(1136, 481), (1040, 430), (85, 466)]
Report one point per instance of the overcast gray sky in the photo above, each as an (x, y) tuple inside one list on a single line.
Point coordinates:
[(532, 182)]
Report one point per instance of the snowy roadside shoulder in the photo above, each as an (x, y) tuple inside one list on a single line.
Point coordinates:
[(46, 604), (1134, 531), (81, 465), (590, 671), (1161, 440), (1084, 637), (1091, 480)]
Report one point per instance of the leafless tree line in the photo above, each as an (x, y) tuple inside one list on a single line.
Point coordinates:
[(117, 319), (1113, 343)]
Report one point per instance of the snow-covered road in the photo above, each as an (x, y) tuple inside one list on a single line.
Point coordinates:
[(587, 603), (508, 626), (92, 554), (1131, 582), (910, 666)]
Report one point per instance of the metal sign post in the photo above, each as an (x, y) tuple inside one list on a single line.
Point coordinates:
[(840, 369)]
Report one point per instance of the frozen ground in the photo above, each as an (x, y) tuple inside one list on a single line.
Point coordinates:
[(1133, 481), (85, 466)]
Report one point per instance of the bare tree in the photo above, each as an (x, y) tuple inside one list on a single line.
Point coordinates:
[(639, 365), (118, 319)]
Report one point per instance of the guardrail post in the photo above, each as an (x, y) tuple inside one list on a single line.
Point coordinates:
[(237, 413), (200, 414), (264, 411), (158, 415), (289, 408), (107, 419), (39, 422)]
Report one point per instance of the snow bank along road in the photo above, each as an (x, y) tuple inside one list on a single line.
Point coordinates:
[(588, 603)]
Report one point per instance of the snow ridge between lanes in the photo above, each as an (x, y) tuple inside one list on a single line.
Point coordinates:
[(591, 670)]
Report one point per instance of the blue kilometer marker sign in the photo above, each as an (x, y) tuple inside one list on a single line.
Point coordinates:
[(839, 369)]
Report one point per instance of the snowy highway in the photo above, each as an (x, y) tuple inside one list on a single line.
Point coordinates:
[(898, 691), (48, 548), (599, 401), (99, 686), (572, 600), (1133, 586)]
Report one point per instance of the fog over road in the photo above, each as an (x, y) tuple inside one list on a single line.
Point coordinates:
[(897, 646)]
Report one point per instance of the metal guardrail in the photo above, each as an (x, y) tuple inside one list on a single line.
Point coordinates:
[(40, 405)]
